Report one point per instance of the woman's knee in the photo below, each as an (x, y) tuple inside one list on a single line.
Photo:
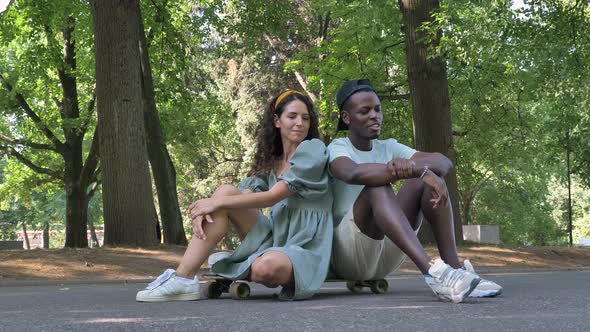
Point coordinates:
[(271, 270), (225, 190)]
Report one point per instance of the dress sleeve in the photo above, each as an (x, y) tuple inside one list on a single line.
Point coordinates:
[(253, 183), (308, 175)]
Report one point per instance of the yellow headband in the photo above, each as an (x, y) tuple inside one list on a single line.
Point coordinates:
[(285, 94)]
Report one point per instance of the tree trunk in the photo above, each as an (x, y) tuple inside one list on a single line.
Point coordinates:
[(76, 218), (162, 167), (158, 230), (127, 194), (76, 202), (74, 185), (26, 237), (46, 235), (427, 78), (93, 237), (89, 178)]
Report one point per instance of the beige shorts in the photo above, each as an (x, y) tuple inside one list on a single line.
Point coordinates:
[(355, 256)]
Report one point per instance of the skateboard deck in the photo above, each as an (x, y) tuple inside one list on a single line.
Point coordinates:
[(215, 285)]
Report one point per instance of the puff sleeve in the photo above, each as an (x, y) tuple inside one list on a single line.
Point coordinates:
[(253, 183), (308, 175)]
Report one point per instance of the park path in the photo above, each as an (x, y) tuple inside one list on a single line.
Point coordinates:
[(546, 301)]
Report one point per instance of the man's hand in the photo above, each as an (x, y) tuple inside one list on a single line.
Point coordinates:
[(200, 211), (438, 188), (401, 168)]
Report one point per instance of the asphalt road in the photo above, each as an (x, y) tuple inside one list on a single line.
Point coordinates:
[(546, 301)]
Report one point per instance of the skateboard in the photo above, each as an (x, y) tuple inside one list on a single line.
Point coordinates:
[(215, 285)]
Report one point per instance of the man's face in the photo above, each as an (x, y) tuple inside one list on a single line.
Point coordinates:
[(362, 114)]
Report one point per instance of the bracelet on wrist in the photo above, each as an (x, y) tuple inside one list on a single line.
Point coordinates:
[(424, 172)]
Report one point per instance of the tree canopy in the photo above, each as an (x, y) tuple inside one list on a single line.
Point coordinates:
[(516, 75)]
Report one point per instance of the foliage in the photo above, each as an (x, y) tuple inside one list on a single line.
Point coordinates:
[(516, 77), (516, 87), (46, 71)]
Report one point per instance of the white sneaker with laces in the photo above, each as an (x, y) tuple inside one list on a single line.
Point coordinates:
[(450, 284), (486, 288), (169, 287), (217, 256)]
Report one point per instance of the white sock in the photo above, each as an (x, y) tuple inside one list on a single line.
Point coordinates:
[(187, 280)]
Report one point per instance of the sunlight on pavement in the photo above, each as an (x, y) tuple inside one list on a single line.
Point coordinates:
[(137, 320), (396, 307), (322, 307)]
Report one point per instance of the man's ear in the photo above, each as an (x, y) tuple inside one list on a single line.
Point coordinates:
[(345, 117), (275, 120)]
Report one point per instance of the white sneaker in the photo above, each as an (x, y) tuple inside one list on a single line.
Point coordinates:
[(216, 257), (450, 284), (486, 288), (169, 287)]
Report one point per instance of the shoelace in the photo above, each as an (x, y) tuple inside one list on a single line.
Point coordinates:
[(450, 277), (161, 279)]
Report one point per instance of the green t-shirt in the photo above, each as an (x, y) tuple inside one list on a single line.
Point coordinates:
[(383, 151)]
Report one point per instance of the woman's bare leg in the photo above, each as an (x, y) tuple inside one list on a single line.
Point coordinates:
[(198, 250)]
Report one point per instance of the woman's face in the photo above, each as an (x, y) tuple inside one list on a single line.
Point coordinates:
[(294, 122)]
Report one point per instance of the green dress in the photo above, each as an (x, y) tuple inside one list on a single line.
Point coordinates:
[(300, 226)]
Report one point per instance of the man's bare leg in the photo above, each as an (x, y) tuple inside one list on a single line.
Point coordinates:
[(377, 212), (413, 197)]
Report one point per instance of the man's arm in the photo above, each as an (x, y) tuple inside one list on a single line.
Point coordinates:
[(436, 162), (370, 174), (376, 174)]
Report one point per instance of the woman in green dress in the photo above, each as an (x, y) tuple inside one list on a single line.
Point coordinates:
[(290, 247)]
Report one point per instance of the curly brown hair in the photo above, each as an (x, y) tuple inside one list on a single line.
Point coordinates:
[(269, 146)]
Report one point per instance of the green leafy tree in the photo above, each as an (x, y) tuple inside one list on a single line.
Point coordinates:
[(516, 87), (48, 101)]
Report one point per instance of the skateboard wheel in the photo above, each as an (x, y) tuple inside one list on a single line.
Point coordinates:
[(213, 289), (354, 286), (239, 290), (379, 286)]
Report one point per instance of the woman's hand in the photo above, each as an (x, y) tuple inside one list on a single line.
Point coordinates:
[(438, 187), (200, 211)]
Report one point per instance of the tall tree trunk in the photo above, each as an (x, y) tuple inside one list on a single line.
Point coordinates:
[(158, 231), (162, 166), (76, 217), (46, 235), (26, 237), (428, 83), (93, 237), (76, 202), (127, 194)]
